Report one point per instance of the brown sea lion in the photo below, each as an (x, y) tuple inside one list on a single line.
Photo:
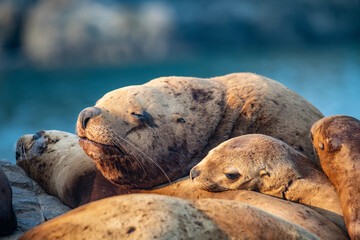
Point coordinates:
[(88, 186), (8, 221), (336, 140), (261, 163), (149, 216), (146, 135)]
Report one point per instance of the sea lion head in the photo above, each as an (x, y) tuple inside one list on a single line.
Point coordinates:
[(55, 160), (251, 162), (145, 135), (330, 134), (31, 148), (335, 139)]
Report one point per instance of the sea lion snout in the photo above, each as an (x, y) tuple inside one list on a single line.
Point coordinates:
[(31, 145), (87, 114), (194, 173)]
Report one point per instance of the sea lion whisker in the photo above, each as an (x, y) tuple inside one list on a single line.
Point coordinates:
[(23, 151), (144, 154), (123, 150)]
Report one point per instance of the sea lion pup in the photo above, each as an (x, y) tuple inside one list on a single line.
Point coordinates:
[(267, 165), (146, 135), (143, 216), (336, 140), (295, 213), (8, 221), (55, 160)]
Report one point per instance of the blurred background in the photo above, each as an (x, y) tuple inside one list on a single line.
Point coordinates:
[(60, 56)]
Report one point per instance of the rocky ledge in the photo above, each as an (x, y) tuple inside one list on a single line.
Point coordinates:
[(31, 204)]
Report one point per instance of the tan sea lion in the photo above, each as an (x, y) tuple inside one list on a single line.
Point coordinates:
[(8, 221), (144, 216), (295, 213), (324, 224), (55, 160), (146, 135), (336, 140), (261, 163)]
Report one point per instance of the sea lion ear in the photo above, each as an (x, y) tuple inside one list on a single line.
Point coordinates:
[(264, 173), (334, 143)]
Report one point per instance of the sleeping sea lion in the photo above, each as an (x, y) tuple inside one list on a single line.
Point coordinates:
[(142, 136), (57, 163), (149, 216)]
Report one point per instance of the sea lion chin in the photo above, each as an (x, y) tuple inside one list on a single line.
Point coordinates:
[(111, 158), (153, 133)]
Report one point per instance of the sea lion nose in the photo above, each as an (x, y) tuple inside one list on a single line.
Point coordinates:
[(87, 114), (194, 173)]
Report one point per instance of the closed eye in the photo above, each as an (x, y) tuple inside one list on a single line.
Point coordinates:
[(232, 176)]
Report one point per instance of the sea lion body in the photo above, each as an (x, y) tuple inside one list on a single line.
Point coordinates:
[(267, 165), (336, 140), (55, 160), (8, 221), (295, 213), (142, 216), (158, 131), (324, 224)]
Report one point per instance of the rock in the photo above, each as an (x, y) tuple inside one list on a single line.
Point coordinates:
[(31, 204), (8, 221)]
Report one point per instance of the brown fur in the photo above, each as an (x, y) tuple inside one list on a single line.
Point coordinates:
[(142, 216), (145, 135), (337, 143)]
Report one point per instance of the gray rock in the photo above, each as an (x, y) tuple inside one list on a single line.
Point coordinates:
[(31, 204)]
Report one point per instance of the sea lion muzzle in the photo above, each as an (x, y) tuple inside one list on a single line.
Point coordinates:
[(87, 114)]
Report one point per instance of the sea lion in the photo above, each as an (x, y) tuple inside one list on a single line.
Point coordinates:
[(8, 221), (146, 135), (336, 140), (262, 163), (295, 213), (148, 216), (326, 225), (55, 160)]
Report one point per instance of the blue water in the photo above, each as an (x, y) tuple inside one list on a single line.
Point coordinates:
[(33, 99)]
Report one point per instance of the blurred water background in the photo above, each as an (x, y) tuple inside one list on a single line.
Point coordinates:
[(60, 56)]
